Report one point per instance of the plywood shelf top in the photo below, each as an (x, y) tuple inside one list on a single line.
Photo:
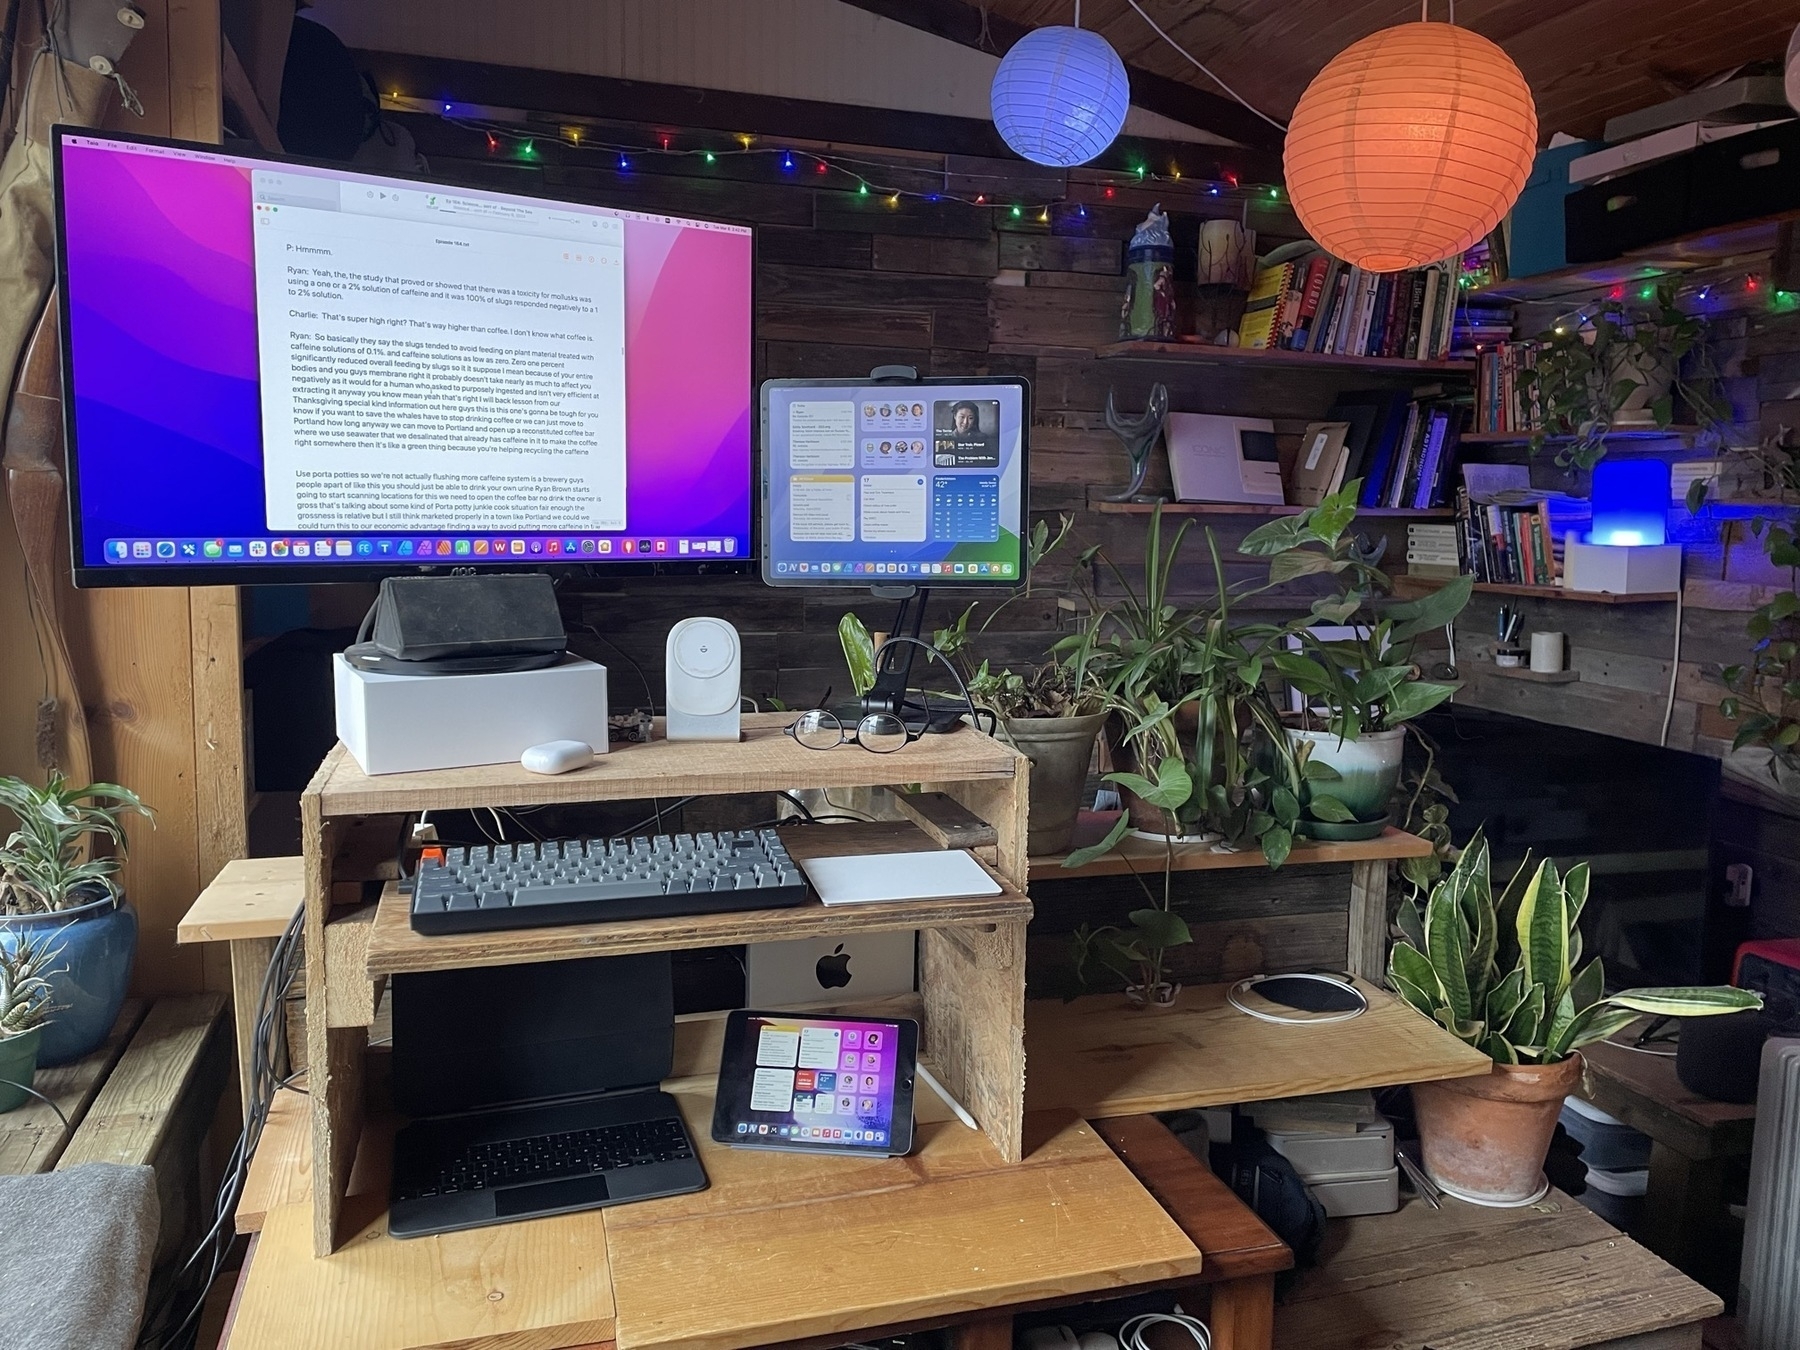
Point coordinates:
[(1100, 1057), (766, 760), (394, 948), (1198, 353), (1133, 854), (250, 898), (1407, 586)]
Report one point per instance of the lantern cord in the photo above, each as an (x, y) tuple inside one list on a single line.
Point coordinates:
[(1197, 65)]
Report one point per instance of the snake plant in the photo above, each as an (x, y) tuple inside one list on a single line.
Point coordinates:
[(1502, 975), (24, 990)]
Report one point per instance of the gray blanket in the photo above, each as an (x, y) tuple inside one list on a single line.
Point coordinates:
[(75, 1251)]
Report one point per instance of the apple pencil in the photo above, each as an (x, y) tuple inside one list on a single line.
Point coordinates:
[(962, 1113)]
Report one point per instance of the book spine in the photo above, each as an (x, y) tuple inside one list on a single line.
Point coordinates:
[(1313, 288), (1400, 315), (1453, 421), (1353, 288), (1404, 460), (1522, 529), (1433, 460), (1368, 339), (1415, 319), (1288, 311), (1332, 296)]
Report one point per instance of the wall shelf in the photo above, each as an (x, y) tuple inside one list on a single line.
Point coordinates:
[(1197, 353), (1254, 509), (1410, 587), (1616, 434)]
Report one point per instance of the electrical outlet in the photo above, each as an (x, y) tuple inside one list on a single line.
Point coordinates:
[(1740, 875)]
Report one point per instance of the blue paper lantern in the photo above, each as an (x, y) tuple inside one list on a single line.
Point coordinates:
[(1060, 96), (1631, 502)]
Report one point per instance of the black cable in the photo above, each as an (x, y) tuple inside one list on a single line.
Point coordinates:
[(804, 810), (26, 1087)]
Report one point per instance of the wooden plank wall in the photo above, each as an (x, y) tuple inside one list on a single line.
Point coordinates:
[(159, 667), (844, 284)]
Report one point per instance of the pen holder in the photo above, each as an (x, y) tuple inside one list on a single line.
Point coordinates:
[(1511, 658)]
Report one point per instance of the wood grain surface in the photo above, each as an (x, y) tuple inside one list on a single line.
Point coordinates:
[(1100, 1057), (1147, 857), (32, 1137), (249, 898)]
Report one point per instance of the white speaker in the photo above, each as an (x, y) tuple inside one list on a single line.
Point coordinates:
[(705, 672)]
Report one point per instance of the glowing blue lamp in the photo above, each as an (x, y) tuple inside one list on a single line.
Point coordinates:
[(1060, 96), (1631, 502), (1627, 550)]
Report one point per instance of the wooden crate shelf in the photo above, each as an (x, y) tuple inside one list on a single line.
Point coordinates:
[(971, 951), (394, 948), (1258, 509), (1196, 353), (1133, 854), (1408, 587)]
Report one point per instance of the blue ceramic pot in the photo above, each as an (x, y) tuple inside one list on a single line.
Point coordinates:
[(98, 943)]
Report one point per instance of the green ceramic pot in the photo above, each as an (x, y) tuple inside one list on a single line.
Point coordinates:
[(18, 1063), (1369, 765)]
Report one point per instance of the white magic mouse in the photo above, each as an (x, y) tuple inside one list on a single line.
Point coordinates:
[(558, 756)]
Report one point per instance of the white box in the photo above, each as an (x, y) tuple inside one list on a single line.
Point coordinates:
[(1658, 145), (1346, 1197), (404, 723), (1357, 1150), (1621, 569)]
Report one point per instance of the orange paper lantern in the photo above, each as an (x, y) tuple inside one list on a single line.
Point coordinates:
[(1410, 145)]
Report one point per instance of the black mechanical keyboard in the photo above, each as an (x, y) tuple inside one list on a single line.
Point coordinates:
[(549, 1157), (472, 890)]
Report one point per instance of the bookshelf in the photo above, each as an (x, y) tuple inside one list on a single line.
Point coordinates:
[(1409, 587), (1201, 354), (1616, 434)]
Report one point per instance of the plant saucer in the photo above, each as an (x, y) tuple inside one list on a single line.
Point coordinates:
[(1341, 831)]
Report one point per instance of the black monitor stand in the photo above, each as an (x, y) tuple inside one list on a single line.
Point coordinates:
[(893, 669)]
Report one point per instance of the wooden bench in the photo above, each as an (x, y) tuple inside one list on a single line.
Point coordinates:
[(1549, 1276), (147, 1096), (1695, 1145)]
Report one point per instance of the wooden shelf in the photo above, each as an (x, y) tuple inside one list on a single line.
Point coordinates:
[(1143, 855), (1530, 676), (1409, 587), (1200, 354), (767, 760), (1720, 247), (1101, 1057), (1257, 509), (394, 948), (1616, 434)]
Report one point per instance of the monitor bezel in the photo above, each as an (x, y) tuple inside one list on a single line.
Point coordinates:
[(95, 576), (765, 461)]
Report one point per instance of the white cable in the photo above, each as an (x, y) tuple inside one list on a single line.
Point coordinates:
[(1674, 669), (1131, 1335), (1279, 126)]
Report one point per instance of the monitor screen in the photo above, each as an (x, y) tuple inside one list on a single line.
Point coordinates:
[(922, 481), (280, 371)]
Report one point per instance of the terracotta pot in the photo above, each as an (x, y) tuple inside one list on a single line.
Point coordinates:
[(1151, 820), (1484, 1139)]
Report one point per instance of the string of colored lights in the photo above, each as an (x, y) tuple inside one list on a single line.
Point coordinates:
[(1737, 292), (857, 177)]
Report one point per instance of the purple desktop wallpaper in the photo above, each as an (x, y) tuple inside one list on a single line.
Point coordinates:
[(162, 342)]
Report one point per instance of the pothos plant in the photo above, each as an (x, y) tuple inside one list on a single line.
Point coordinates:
[(1584, 372)]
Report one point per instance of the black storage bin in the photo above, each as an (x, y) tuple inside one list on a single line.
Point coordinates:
[(1756, 174), (1631, 211)]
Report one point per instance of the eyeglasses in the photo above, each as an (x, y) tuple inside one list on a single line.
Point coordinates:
[(880, 733)]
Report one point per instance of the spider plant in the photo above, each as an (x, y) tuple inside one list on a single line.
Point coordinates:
[(46, 863)]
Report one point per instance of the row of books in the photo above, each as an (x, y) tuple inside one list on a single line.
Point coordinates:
[(1504, 402), (1305, 300), (1479, 326), (1510, 544), (1402, 445)]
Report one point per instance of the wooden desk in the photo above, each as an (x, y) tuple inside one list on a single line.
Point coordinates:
[(1100, 1057), (781, 1247), (1550, 1276), (1695, 1144)]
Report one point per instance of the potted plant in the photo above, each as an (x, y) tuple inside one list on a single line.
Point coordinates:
[(50, 881), (25, 1008), (1505, 976), (1620, 366), (1352, 665)]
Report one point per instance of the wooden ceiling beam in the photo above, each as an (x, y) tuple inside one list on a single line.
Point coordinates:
[(963, 23)]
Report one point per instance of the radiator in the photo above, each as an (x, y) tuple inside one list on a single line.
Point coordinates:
[(1769, 1285)]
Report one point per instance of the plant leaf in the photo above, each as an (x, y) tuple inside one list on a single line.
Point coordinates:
[(1161, 928), (1277, 843), (1411, 923), (1447, 944), (1413, 699), (1595, 1024), (1695, 1001), (1526, 1022), (859, 653), (1429, 611), (1318, 771), (1588, 987), (1324, 807), (1497, 1048), (1408, 965), (1171, 790), (1081, 857), (1504, 998), (1543, 932)]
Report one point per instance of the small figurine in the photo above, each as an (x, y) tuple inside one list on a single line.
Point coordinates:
[(1149, 309), (1139, 435)]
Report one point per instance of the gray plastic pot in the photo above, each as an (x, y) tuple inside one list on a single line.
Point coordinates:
[(1060, 749)]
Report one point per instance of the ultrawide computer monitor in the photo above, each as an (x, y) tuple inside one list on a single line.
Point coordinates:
[(871, 482), (285, 371)]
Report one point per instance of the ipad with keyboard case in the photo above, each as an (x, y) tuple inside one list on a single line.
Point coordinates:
[(817, 1083)]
